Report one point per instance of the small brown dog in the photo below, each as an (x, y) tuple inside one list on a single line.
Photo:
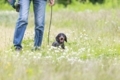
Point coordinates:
[(60, 39)]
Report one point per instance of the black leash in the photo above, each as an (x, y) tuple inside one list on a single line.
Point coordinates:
[(50, 25)]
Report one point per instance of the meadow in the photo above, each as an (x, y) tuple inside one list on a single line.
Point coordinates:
[(92, 51)]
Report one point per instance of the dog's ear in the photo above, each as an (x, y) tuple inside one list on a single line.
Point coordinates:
[(57, 38), (65, 37)]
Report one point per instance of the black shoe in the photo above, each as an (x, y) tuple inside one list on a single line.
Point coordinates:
[(17, 49), (35, 48)]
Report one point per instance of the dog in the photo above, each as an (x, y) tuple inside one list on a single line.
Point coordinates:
[(60, 39)]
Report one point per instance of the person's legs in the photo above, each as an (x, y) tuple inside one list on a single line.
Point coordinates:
[(39, 13), (21, 23)]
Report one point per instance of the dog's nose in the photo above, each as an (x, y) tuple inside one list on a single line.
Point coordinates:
[(61, 39)]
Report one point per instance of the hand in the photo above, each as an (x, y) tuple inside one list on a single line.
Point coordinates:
[(52, 2)]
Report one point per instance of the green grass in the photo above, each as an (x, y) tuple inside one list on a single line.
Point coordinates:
[(92, 51)]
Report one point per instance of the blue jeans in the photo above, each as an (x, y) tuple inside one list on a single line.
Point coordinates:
[(12, 2), (39, 14)]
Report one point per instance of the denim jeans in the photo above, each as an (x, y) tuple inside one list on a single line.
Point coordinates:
[(12, 2), (39, 14)]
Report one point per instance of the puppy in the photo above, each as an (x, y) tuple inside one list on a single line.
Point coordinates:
[(60, 39)]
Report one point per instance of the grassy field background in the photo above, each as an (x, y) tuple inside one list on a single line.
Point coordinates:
[(92, 51)]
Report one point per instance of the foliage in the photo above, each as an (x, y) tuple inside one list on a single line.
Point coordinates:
[(97, 1), (84, 4), (2, 1), (64, 2)]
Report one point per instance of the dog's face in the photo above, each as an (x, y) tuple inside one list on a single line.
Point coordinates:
[(61, 37)]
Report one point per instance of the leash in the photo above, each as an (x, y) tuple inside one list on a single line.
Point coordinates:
[(50, 25)]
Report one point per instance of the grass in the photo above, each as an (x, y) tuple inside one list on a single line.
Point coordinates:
[(92, 51)]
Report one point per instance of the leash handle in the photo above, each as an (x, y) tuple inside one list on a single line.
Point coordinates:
[(50, 25)]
